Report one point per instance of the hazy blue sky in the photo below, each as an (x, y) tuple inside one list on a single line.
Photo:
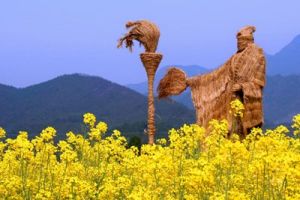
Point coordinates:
[(41, 39)]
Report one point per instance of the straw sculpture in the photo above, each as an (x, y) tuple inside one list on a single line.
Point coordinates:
[(242, 77), (147, 34)]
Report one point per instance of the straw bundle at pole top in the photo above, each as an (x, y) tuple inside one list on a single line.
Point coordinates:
[(241, 77), (147, 34), (144, 32)]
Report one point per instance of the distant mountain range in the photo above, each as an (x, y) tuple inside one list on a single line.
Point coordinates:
[(286, 61), (61, 102)]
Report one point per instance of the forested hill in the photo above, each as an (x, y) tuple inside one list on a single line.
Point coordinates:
[(61, 102)]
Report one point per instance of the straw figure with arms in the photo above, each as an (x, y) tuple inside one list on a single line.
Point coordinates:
[(241, 77)]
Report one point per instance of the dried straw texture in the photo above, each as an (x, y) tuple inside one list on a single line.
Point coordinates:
[(173, 83), (143, 31), (213, 92), (151, 62)]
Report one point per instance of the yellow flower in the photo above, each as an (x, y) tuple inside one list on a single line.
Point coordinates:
[(162, 141), (43, 195), (296, 124), (235, 137), (237, 108), (102, 127), (48, 134), (2, 132), (71, 137), (64, 146), (68, 156), (95, 134), (89, 119)]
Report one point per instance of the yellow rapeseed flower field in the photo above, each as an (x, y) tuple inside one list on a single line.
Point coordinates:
[(190, 164)]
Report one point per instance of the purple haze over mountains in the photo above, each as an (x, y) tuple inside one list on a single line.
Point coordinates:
[(40, 40)]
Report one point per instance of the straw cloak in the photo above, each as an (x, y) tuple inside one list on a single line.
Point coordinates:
[(213, 92)]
